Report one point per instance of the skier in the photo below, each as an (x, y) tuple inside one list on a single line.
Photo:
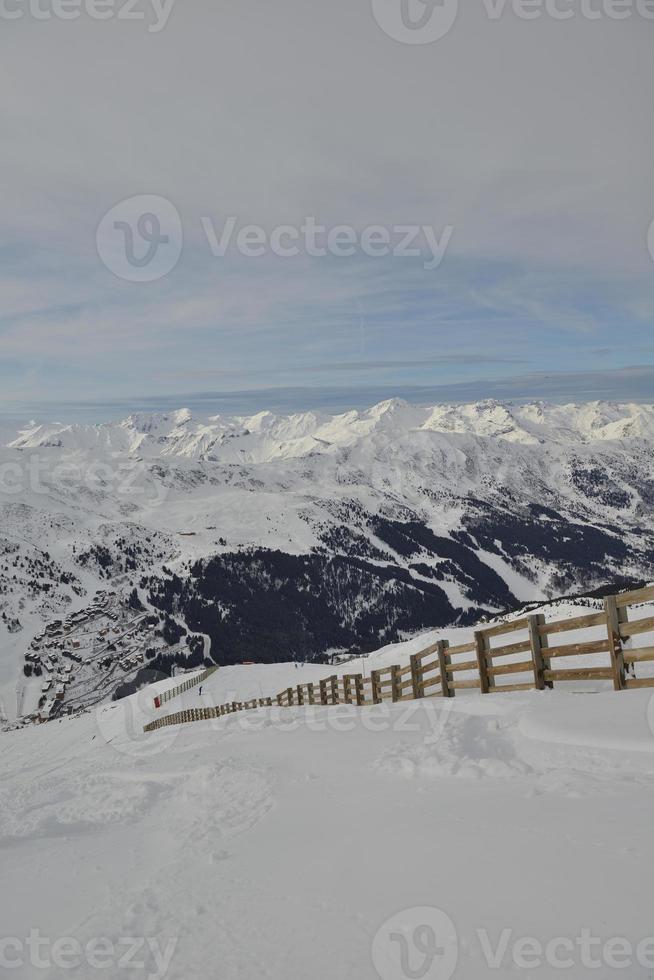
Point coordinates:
[(200, 691)]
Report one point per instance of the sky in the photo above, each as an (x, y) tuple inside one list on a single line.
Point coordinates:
[(511, 154)]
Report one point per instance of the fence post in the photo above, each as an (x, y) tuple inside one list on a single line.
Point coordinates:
[(416, 675), (396, 683), (311, 693), (376, 690), (444, 661), (537, 645), (615, 643), (300, 694), (289, 694), (333, 681), (481, 642), (358, 689), (347, 690), (323, 692)]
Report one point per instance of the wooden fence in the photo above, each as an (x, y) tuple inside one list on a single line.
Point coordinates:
[(175, 692), (523, 655)]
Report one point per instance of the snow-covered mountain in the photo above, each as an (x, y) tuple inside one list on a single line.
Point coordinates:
[(267, 536), (265, 437)]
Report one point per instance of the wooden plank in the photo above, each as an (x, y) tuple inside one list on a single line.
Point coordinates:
[(579, 649), (567, 625), (432, 665), (333, 683), (517, 624), (632, 683), (323, 692), (481, 642), (504, 688), (519, 668), (639, 656), (347, 690), (465, 665), (359, 689), (444, 664), (376, 688), (427, 652), (506, 651), (635, 627), (433, 681), (615, 643), (583, 674), (462, 648), (465, 685), (635, 597)]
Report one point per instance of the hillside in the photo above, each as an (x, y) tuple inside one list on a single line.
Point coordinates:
[(276, 537)]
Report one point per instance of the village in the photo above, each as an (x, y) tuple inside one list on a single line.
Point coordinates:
[(78, 660)]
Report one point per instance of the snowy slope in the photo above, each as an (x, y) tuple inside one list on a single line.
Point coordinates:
[(290, 844)]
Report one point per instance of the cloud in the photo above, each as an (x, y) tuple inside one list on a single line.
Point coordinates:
[(273, 112)]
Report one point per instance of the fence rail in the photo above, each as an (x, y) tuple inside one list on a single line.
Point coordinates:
[(441, 670)]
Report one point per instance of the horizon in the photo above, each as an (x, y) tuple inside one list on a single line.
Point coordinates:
[(630, 386)]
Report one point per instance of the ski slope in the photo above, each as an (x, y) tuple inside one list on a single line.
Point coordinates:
[(295, 843)]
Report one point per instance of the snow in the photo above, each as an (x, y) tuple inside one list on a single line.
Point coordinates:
[(266, 436), (290, 843)]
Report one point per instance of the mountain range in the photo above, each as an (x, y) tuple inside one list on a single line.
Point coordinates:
[(302, 536)]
